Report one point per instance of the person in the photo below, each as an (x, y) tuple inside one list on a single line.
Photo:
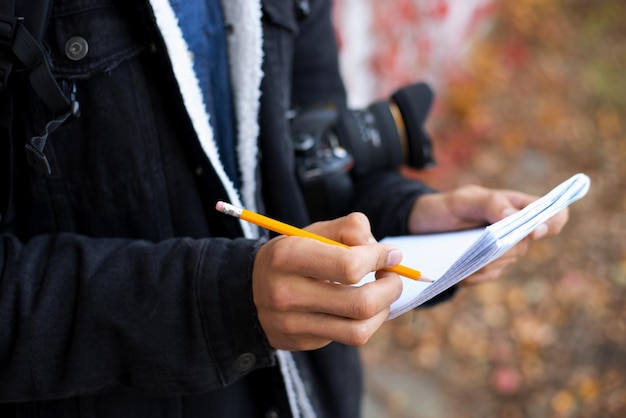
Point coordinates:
[(124, 293)]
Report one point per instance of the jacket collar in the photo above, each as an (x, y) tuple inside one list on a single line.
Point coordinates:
[(245, 56)]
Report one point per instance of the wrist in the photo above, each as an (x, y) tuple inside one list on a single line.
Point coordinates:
[(424, 213)]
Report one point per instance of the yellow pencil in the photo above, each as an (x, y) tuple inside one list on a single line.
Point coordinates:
[(286, 229)]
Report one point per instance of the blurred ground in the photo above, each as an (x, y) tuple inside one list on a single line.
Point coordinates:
[(543, 97)]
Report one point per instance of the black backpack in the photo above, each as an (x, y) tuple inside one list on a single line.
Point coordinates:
[(24, 57)]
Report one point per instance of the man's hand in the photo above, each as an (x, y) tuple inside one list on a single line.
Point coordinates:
[(476, 206), (299, 286)]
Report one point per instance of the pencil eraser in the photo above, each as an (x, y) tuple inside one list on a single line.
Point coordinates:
[(219, 205)]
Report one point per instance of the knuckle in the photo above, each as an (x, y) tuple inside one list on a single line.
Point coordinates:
[(286, 326), (289, 327), (281, 253), (356, 219), (363, 306), (493, 199), (280, 297), (360, 334), (352, 269), (355, 229), (471, 189)]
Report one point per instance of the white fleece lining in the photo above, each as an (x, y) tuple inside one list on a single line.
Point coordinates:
[(245, 54), (192, 97), (245, 58), (296, 393)]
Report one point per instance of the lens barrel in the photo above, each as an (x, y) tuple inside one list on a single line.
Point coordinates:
[(388, 134), (414, 103), (335, 146), (370, 135)]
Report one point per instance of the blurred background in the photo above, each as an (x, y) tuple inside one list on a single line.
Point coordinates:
[(529, 92)]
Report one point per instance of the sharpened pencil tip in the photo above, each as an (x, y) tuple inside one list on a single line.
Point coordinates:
[(426, 279)]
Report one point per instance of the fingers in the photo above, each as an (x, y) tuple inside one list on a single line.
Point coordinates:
[(474, 206), (293, 294), (306, 330), (479, 204), (491, 272), (465, 207), (506, 202), (517, 201), (553, 226), (299, 313), (300, 286), (353, 229), (301, 332), (495, 269), (327, 262)]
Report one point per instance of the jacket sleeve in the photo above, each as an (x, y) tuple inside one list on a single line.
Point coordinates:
[(81, 315), (387, 197)]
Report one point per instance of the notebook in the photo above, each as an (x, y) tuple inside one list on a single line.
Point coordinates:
[(450, 257)]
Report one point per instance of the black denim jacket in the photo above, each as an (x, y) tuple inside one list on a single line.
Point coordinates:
[(122, 292)]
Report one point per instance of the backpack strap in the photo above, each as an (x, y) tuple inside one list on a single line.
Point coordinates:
[(21, 50), (7, 167), (6, 118)]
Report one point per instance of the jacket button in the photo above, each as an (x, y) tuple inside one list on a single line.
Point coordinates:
[(245, 362), (76, 48)]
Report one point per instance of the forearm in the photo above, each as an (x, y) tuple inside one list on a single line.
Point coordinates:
[(84, 315), (387, 198)]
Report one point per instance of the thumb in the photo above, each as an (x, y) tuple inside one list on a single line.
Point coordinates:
[(499, 208), (508, 202)]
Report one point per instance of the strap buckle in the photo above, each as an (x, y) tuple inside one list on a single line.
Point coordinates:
[(35, 152), (8, 27)]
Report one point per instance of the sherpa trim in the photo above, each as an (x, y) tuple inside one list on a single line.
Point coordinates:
[(193, 99), (245, 53), (245, 59)]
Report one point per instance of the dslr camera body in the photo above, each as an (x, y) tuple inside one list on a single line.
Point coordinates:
[(334, 146)]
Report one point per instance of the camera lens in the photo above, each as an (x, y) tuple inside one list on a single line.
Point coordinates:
[(388, 134), (333, 145), (371, 136), (414, 103)]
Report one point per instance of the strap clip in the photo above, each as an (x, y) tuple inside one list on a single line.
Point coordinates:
[(35, 150), (8, 27)]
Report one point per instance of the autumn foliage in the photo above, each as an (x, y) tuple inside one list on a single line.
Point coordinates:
[(541, 95)]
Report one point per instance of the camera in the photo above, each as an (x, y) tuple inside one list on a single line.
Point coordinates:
[(335, 146)]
